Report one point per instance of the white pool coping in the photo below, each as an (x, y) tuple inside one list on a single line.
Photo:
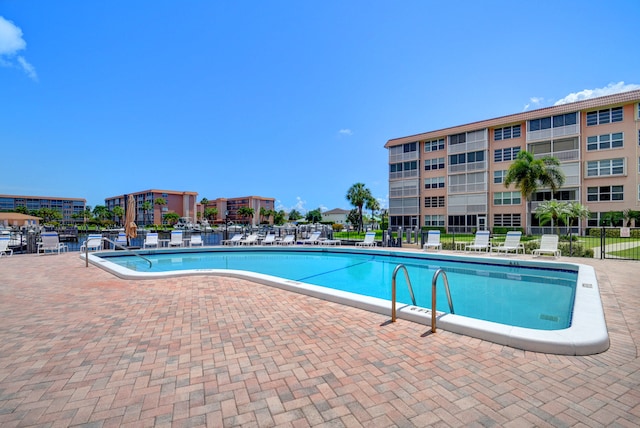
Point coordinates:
[(587, 334)]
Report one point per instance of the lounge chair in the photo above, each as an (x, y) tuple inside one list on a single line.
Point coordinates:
[(176, 238), (548, 245), (288, 240), (433, 241), (270, 239), (311, 240), (93, 243), (330, 242), (369, 240), (50, 242), (234, 239), (151, 240), (4, 247), (249, 240), (121, 240), (480, 243), (196, 241), (511, 243)]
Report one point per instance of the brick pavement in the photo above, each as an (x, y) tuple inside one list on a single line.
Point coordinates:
[(79, 347)]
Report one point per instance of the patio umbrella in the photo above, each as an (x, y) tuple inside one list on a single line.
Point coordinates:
[(130, 227)]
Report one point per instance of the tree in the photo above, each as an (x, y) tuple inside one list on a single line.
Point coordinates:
[(314, 216), (118, 213), (553, 211), (210, 213), (171, 218), (373, 205), (577, 211), (101, 213), (146, 207), (246, 212), (294, 215), (264, 213), (160, 202), (21, 209), (358, 195), (279, 217), (529, 174), (353, 217), (49, 215)]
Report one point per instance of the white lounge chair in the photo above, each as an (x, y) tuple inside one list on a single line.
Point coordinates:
[(481, 242), (176, 238), (151, 240), (234, 239), (50, 242), (270, 239), (548, 245), (196, 241), (121, 240), (369, 240), (433, 241), (511, 244), (93, 243), (288, 240), (4, 247), (249, 240), (329, 242), (311, 240)]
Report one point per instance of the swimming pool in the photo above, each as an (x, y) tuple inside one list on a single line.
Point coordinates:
[(524, 304)]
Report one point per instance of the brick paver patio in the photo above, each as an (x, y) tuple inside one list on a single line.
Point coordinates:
[(79, 347)]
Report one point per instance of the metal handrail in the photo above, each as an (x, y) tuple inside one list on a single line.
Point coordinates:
[(393, 289), (433, 296), (115, 245)]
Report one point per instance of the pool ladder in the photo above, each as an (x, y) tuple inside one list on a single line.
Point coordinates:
[(115, 245), (434, 281)]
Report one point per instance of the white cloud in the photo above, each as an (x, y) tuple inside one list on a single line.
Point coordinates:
[(535, 101), (345, 131), (298, 206), (610, 89), (11, 42)]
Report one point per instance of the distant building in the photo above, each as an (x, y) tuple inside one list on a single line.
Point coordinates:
[(228, 208), (181, 202), (336, 215), (18, 220), (453, 178), (67, 206)]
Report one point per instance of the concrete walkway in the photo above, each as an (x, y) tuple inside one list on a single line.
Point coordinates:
[(79, 347)]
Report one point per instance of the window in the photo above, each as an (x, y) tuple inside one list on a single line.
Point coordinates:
[(434, 183), (457, 139), (404, 166), (498, 176), (507, 198), (431, 164), (434, 145), (434, 202), (602, 117), (508, 154), (605, 193), (507, 220), (605, 167), (553, 122), (605, 142), (507, 133), (466, 157), (434, 220)]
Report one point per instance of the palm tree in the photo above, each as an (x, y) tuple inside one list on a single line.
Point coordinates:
[(146, 207), (577, 211), (553, 211), (245, 212), (160, 202), (210, 213), (529, 174), (373, 205), (118, 213), (358, 195)]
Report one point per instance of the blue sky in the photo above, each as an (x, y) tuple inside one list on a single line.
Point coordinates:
[(286, 99)]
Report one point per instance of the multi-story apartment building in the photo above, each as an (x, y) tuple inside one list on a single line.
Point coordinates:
[(149, 212), (453, 177), (228, 208), (67, 206)]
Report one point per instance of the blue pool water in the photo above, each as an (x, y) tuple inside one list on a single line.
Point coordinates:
[(519, 296)]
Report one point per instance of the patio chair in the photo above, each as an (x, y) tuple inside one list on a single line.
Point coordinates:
[(433, 241), (481, 242), (196, 241), (50, 242), (93, 243), (369, 240), (288, 240), (249, 240), (270, 239), (176, 238), (151, 240), (4, 246), (548, 245), (511, 243), (121, 240), (234, 239)]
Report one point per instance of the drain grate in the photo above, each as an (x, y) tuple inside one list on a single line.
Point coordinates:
[(551, 318)]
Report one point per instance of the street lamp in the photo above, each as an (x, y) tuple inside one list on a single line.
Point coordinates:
[(226, 224)]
